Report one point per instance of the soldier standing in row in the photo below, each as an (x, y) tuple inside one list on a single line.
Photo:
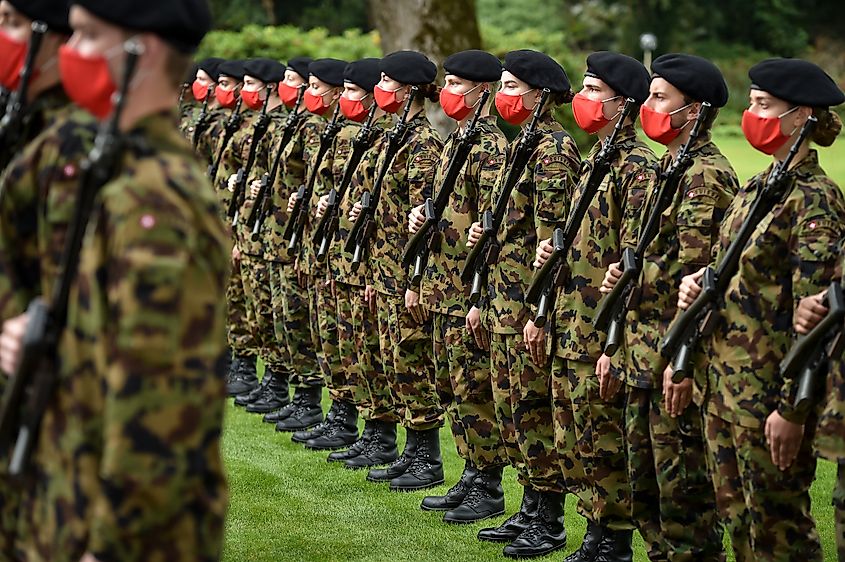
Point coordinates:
[(202, 98)]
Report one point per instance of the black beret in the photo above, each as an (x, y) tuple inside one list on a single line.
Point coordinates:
[(475, 65), (52, 12), (364, 73), (300, 66), (796, 81), (538, 70), (627, 76), (181, 23), (211, 67), (231, 68), (696, 77), (409, 67), (268, 71), (329, 71)]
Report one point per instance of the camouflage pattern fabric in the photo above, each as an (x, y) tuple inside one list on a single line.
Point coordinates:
[(207, 142), (292, 316), (257, 285), (375, 370), (839, 507)]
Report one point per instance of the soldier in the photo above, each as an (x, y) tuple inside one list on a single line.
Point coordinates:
[(155, 257), (204, 82), (261, 77), (520, 370), (462, 363), (760, 446), (673, 506), (349, 388), (583, 415), (205, 140), (405, 328)]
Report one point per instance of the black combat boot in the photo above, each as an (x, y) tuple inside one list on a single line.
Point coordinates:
[(615, 546), (224, 365), (358, 447), (254, 394), (397, 467), (455, 495), (426, 470), (545, 533), (307, 414), (590, 546), (276, 394), (286, 411), (485, 499), (379, 450), (304, 435), (245, 379), (516, 523), (342, 432), (232, 371)]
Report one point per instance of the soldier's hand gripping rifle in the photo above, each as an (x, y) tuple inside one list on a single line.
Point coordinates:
[(231, 127), (418, 247), (699, 320), (260, 206), (485, 252), (239, 193), (330, 221), (299, 214), (610, 316), (544, 287), (807, 361), (362, 230), (13, 124), (30, 388), (202, 120)]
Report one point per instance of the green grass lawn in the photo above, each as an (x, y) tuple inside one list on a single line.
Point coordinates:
[(289, 504)]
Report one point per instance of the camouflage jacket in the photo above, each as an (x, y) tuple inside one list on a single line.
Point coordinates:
[(792, 254), (442, 289), (408, 180), (830, 434), (688, 233), (188, 116), (538, 203), (340, 261), (39, 191), (39, 115), (297, 159), (597, 245), (128, 463)]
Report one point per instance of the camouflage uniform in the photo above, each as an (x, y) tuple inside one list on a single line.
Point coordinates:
[(403, 340), (135, 371), (372, 392), (462, 369), (581, 415), (791, 254), (290, 302), (39, 115), (189, 114), (522, 389), (673, 503)]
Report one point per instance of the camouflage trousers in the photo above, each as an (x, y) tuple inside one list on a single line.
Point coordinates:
[(766, 511), (290, 314), (312, 292), (466, 392), (256, 274), (522, 395), (350, 368), (408, 345), (588, 434), (240, 335), (373, 394), (673, 502), (337, 378)]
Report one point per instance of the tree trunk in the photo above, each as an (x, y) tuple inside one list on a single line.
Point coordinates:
[(269, 7), (437, 28)]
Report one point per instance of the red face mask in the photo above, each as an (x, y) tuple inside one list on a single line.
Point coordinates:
[(314, 103), (764, 133), (252, 99), (288, 94), (589, 114), (658, 125), (386, 99), (454, 105), (200, 91), (87, 81), (354, 110), (225, 98), (511, 108), (12, 56)]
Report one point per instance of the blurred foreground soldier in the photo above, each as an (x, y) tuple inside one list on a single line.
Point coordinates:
[(761, 445), (111, 479)]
